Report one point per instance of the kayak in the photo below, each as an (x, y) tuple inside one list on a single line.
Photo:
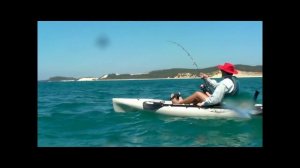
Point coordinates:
[(182, 110)]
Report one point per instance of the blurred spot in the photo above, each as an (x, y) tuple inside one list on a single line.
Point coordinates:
[(201, 139), (102, 42)]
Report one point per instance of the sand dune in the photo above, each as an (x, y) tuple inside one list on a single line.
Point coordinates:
[(241, 74)]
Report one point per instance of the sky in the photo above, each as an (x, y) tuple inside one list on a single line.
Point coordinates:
[(95, 48)]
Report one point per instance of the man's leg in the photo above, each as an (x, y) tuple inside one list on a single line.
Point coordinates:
[(197, 97)]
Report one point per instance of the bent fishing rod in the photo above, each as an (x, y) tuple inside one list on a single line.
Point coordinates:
[(194, 63), (189, 55)]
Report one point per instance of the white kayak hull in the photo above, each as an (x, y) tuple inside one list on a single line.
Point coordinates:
[(129, 104)]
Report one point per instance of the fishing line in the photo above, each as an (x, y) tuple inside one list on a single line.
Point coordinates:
[(189, 55)]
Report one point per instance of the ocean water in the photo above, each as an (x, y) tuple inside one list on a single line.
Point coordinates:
[(80, 114)]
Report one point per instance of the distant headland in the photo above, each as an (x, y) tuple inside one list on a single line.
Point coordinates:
[(174, 73)]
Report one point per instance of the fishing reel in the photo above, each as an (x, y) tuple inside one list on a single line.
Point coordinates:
[(205, 88)]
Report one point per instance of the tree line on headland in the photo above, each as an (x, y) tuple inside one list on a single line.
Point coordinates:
[(167, 73)]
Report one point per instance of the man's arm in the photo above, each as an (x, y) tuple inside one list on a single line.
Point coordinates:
[(213, 83), (216, 97)]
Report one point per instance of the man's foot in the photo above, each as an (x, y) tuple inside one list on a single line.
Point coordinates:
[(175, 95)]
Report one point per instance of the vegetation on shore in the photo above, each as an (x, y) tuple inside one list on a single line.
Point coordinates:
[(61, 78), (171, 73), (167, 73)]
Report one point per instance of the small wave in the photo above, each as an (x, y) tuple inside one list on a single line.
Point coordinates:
[(44, 115)]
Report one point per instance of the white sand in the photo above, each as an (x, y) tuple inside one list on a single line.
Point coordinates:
[(241, 74)]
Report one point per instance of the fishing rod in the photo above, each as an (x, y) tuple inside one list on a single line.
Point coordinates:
[(189, 55), (205, 87)]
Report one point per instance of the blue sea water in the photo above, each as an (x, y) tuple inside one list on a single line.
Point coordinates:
[(80, 114)]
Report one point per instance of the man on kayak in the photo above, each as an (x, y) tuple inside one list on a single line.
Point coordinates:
[(227, 87)]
